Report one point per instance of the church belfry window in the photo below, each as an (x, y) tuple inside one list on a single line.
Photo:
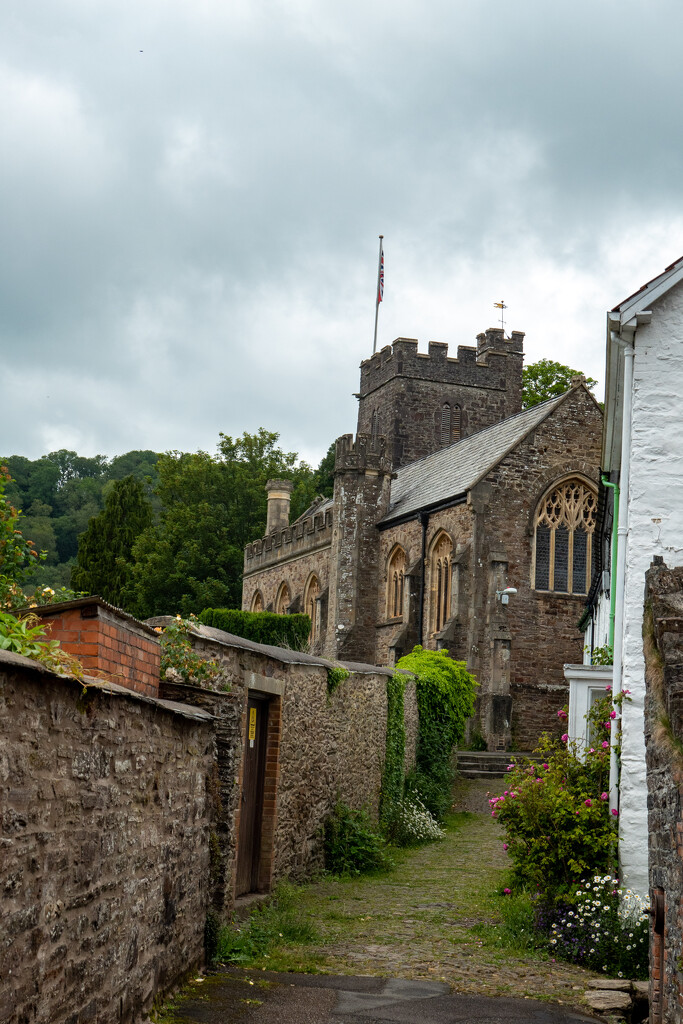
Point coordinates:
[(440, 567), (395, 583), (563, 535), (451, 424)]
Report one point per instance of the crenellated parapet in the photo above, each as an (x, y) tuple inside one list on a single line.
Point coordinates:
[(495, 362), (302, 537), (365, 452)]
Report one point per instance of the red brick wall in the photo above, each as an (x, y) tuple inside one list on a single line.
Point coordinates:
[(108, 644)]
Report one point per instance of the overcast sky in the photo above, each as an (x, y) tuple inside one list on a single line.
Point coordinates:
[(191, 193)]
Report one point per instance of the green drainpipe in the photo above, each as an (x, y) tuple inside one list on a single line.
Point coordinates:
[(613, 565)]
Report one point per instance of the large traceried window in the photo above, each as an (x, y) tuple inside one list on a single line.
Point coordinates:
[(563, 534), (440, 582), (257, 602), (283, 599), (310, 604), (396, 569)]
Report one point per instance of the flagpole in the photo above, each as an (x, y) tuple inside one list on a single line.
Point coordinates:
[(379, 271)]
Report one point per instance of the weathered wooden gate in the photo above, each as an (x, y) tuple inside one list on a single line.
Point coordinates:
[(251, 812)]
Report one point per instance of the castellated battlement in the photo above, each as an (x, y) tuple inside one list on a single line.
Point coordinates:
[(495, 362), (303, 536), (365, 452)]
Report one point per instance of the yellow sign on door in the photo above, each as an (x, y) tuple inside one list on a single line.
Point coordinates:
[(252, 726)]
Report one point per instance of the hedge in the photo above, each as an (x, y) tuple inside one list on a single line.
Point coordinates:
[(290, 631)]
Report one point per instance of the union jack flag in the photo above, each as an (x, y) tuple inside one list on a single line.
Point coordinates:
[(380, 286)]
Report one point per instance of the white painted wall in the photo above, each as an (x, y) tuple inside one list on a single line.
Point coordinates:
[(655, 527)]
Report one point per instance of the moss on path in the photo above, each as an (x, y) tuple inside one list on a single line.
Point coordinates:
[(434, 916)]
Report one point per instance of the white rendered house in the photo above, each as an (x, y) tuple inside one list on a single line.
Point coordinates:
[(643, 457)]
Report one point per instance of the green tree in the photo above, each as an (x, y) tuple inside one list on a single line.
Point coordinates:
[(192, 557), (324, 474), (105, 548), (17, 555), (546, 379)]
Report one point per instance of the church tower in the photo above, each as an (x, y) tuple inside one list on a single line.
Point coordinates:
[(421, 403)]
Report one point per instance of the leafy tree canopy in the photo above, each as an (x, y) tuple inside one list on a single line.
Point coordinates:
[(546, 379), (211, 507), (105, 548)]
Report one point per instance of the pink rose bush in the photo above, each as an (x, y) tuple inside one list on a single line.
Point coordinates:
[(554, 810)]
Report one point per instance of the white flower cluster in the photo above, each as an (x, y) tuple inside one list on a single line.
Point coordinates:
[(414, 823)]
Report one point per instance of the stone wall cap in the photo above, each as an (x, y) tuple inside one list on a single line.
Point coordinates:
[(103, 686), (282, 654), (43, 610)]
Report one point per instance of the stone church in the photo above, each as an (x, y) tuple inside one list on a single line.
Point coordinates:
[(449, 495)]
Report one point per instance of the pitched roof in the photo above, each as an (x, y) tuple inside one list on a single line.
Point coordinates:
[(451, 472), (651, 290)]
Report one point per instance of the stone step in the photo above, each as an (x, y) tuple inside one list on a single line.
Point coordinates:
[(484, 764)]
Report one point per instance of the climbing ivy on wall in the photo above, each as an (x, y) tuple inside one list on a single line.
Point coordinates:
[(392, 776), (445, 700)]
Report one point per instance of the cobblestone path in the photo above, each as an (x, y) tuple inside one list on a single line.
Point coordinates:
[(431, 917)]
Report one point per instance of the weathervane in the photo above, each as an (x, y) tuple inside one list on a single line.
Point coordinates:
[(502, 307)]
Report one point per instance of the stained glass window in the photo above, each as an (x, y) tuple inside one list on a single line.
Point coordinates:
[(564, 527)]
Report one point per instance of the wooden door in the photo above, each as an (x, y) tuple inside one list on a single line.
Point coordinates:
[(251, 813)]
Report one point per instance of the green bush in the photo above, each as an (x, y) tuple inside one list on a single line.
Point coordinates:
[(556, 813), (351, 843), (445, 700), (290, 631)]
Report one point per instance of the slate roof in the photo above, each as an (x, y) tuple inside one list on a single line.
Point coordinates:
[(452, 471)]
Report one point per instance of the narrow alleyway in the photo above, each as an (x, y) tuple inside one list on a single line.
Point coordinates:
[(433, 917), (419, 943)]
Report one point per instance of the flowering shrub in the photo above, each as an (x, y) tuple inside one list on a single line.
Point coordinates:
[(555, 812), (179, 656), (603, 927), (412, 823)]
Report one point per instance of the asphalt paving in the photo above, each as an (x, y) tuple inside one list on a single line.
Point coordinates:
[(263, 997)]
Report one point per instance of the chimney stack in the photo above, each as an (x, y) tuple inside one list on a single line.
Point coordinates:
[(279, 497)]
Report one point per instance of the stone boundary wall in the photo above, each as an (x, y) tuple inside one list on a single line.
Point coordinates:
[(105, 817), (323, 747), (663, 649)]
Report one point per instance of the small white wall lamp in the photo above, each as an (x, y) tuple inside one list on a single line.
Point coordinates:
[(504, 595)]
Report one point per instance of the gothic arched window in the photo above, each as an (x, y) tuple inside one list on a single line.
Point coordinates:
[(283, 599), (563, 535), (257, 602), (310, 604), (451, 424), (374, 427), (440, 568), (396, 569)]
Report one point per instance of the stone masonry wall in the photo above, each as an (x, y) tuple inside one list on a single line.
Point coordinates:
[(402, 391), (294, 571), (105, 819), (663, 649), (539, 629), (326, 746)]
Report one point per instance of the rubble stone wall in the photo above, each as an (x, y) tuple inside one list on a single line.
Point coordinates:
[(663, 648), (105, 812)]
